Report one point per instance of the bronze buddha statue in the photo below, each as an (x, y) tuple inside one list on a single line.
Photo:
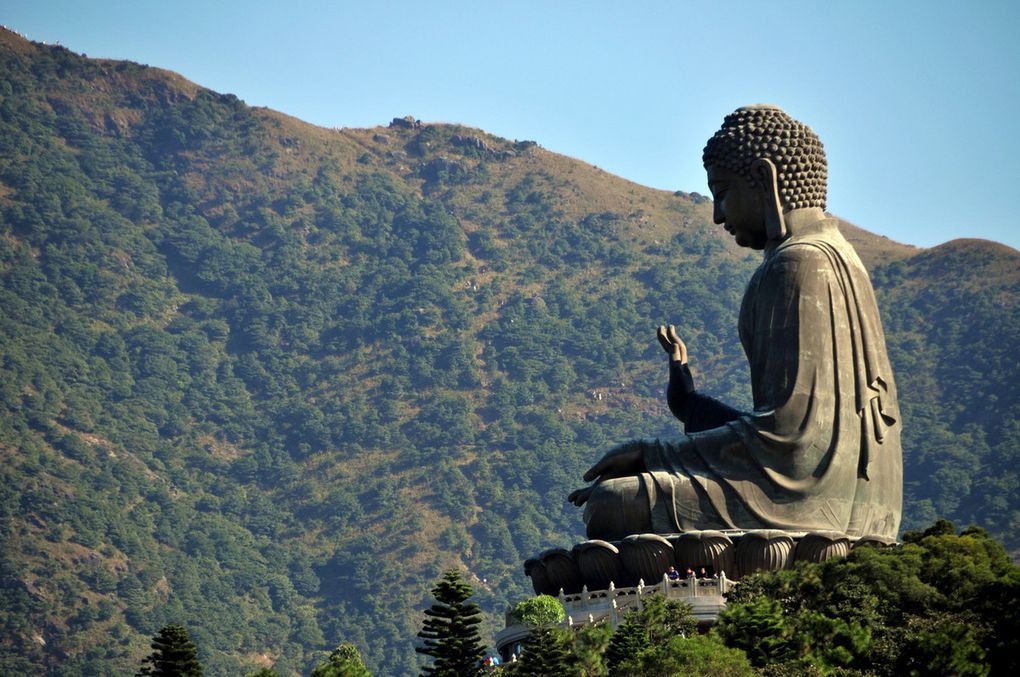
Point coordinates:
[(821, 448)]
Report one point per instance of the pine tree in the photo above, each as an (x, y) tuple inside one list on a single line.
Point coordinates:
[(173, 655), (450, 630), (588, 647), (545, 654), (629, 639)]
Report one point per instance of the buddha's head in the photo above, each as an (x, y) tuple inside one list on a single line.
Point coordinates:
[(744, 195)]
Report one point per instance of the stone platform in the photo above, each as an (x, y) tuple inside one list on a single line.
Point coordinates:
[(600, 565), (704, 595)]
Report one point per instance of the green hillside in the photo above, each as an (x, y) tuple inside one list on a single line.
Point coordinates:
[(269, 380)]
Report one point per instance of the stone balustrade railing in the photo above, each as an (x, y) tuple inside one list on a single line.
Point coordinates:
[(594, 606)]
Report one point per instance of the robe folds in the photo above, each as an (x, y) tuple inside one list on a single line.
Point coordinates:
[(821, 450)]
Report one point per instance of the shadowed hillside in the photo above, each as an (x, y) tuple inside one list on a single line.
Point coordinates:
[(268, 380)]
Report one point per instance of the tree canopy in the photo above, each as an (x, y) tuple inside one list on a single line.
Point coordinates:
[(942, 603), (539, 610), (344, 661)]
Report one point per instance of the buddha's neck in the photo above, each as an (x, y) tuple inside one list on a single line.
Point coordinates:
[(798, 221)]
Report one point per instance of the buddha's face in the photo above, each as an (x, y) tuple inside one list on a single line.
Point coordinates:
[(738, 207)]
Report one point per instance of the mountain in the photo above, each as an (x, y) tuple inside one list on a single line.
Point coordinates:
[(269, 380)]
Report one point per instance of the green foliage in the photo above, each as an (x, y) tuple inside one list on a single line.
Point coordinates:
[(758, 627), (659, 639), (545, 653), (345, 661), (653, 626), (944, 603), (450, 631), (173, 654), (697, 655), (629, 640), (663, 619), (541, 610), (588, 646), (944, 644)]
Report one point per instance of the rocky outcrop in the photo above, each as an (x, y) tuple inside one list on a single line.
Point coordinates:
[(441, 168), (406, 122), (474, 145), (696, 198)]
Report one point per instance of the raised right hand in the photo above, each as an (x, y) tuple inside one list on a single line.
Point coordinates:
[(672, 344)]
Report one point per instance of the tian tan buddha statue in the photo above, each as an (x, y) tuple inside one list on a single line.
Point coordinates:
[(821, 449)]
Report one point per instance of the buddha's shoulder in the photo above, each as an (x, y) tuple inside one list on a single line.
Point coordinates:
[(801, 261), (825, 243), (805, 251)]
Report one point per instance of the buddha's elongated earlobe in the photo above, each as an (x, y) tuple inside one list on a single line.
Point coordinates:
[(764, 172)]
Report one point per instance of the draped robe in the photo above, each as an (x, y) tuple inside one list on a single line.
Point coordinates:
[(821, 449)]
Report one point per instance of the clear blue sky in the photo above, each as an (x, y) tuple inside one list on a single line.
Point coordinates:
[(916, 102)]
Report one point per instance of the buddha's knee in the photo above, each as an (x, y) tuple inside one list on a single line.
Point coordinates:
[(617, 508)]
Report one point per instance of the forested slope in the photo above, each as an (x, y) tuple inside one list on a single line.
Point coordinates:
[(267, 380)]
